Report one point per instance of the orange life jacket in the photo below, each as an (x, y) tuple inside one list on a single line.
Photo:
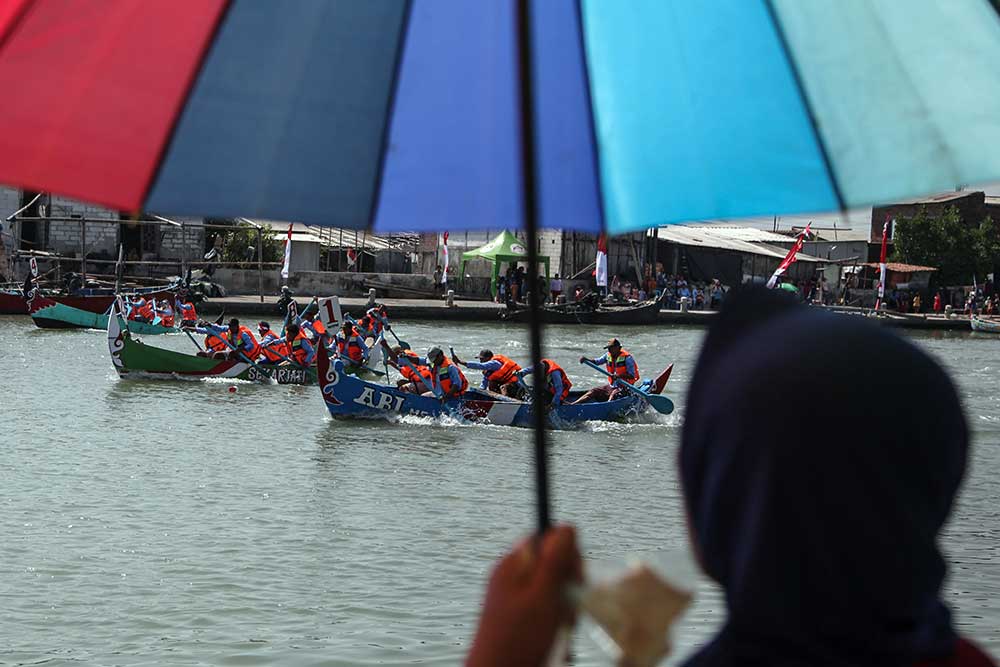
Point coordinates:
[(422, 371), (506, 372), (350, 346), (550, 385), (618, 368), (275, 350), (214, 343), (167, 319), (318, 326), (254, 350), (296, 350), (444, 379)]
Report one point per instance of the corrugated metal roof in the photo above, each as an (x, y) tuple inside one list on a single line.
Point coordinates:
[(743, 233), (703, 236), (901, 268), (335, 237)]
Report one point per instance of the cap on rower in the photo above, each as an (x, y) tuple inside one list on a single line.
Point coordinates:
[(614, 342), (433, 353), (485, 354)]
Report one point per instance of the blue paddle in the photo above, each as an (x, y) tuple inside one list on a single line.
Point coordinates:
[(661, 404)]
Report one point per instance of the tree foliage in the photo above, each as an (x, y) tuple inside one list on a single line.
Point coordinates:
[(237, 241), (958, 249)]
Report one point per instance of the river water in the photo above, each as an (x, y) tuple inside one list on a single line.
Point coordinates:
[(181, 524)]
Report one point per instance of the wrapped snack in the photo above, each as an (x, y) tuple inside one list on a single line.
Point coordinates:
[(636, 612)]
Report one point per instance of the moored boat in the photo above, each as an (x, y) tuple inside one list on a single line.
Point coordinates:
[(985, 325), (49, 314), (134, 359), (646, 312), (347, 396), (12, 300)]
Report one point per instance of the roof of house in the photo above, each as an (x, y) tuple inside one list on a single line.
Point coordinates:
[(335, 237), (704, 236), (901, 268), (742, 233), (940, 198)]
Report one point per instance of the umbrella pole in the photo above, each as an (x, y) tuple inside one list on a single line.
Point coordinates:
[(530, 196)]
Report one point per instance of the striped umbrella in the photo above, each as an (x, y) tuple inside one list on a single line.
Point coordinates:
[(449, 114)]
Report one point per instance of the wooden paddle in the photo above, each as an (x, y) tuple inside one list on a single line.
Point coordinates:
[(263, 371), (661, 404)]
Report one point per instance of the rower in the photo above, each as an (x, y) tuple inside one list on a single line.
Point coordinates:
[(300, 349), (272, 346), (417, 377), (350, 345), (244, 343), (165, 313), (318, 330), (499, 372), (378, 319), (446, 377), (619, 363), (189, 316), (557, 384)]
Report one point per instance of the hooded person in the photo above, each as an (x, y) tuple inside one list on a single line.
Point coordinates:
[(823, 540)]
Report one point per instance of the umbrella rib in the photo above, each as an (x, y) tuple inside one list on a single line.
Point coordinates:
[(530, 200), (804, 96), (404, 25)]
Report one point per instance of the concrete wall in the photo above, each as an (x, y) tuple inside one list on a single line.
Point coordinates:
[(245, 281)]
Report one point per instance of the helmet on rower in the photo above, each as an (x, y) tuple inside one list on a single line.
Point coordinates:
[(434, 353)]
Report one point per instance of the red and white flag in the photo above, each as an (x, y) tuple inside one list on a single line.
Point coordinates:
[(444, 269), (882, 265), (352, 257), (601, 263), (288, 253), (789, 258)]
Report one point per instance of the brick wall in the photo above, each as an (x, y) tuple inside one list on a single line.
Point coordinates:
[(188, 243), (64, 237)]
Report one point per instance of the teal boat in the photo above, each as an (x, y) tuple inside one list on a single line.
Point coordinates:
[(48, 314)]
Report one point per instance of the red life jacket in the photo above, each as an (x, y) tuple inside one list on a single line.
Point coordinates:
[(254, 350), (350, 346), (617, 367), (374, 321), (188, 313), (296, 350), (146, 310), (444, 378), (214, 343), (505, 373), (167, 319), (550, 385)]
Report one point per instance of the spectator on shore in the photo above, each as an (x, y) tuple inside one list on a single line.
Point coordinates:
[(937, 303), (436, 278), (555, 287), (916, 303), (818, 565)]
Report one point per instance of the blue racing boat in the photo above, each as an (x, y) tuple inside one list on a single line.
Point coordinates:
[(347, 396)]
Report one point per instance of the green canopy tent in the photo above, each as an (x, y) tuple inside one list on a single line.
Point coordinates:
[(504, 248)]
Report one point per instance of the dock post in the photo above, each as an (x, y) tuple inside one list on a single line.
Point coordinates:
[(371, 297), (450, 299)]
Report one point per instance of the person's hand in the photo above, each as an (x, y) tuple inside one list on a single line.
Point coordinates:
[(583, 359), (526, 601)]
